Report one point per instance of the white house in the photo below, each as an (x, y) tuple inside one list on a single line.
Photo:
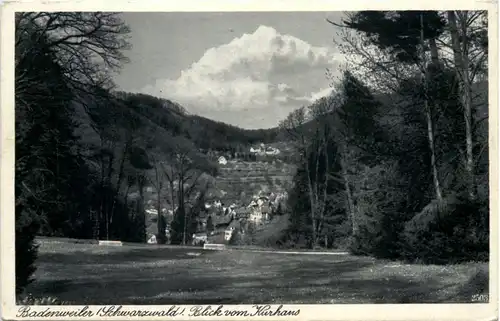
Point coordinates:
[(272, 151), (152, 240), (260, 214), (200, 238), (152, 211), (222, 160), (228, 233)]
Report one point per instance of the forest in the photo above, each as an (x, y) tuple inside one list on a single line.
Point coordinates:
[(393, 164), (399, 168)]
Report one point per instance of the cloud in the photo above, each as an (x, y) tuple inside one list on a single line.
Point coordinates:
[(260, 72)]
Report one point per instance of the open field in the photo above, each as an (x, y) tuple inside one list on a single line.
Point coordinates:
[(137, 274)]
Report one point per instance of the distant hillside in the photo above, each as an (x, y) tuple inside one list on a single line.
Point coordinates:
[(238, 181), (203, 132)]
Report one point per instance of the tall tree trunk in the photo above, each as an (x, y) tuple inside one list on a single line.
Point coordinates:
[(121, 175), (461, 60), (140, 204), (311, 202), (350, 203), (182, 209), (428, 114), (324, 194), (434, 52), (160, 222), (125, 198), (109, 193)]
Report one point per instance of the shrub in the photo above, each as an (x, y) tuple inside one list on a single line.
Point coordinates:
[(451, 231), (26, 249), (378, 203)]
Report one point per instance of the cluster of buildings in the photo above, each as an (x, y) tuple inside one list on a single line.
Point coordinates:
[(228, 219), (262, 150)]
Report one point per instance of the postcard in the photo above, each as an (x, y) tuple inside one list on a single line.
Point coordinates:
[(230, 160)]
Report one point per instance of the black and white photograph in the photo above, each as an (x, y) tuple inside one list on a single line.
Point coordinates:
[(253, 157)]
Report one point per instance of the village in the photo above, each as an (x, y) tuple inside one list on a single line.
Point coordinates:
[(246, 195)]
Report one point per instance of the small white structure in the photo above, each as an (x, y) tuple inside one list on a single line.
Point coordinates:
[(149, 189), (227, 235), (199, 239), (152, 211), (272, 151), (257, 216), (222, 160), (219, 247), (111, 243), (152, 240)]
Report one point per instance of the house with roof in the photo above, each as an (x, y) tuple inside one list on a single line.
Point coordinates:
[(260, 214), (242, 212), (272, 151), (262, 200)]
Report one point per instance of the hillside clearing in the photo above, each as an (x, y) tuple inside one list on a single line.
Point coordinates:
[(91, 274)]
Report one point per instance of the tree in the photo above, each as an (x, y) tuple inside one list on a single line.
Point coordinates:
[(312, 135), (402, 37), (31, 162), (405, 57), (184, 172), (467, 31), (52, 177), (279, 210), (210, 224), (86, 45), (295, 127), (158, 183)]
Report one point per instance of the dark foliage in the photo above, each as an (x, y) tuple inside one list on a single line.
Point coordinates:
[(26, 248), (397, 31), (452, 232)]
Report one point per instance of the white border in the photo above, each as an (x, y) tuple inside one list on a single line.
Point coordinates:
[(308, 312)]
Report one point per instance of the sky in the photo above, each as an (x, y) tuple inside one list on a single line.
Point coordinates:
[(247, 69)]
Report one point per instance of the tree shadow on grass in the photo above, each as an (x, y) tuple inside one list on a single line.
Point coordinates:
[(143, 255), (238, 278)]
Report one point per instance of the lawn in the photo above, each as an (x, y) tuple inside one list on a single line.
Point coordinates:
[(92, 274)]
